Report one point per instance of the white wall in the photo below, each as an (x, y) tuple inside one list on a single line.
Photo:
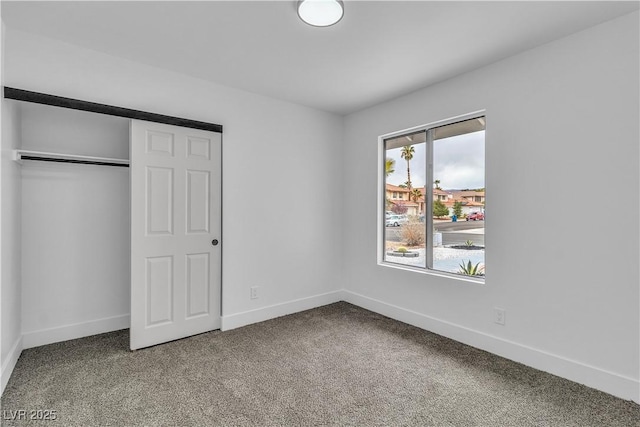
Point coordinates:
[(75, 227), (10, 226), (562, 126), (281, 204)]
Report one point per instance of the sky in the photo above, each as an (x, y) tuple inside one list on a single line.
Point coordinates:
[(458, 162)]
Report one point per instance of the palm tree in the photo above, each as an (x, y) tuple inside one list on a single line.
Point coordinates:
[(416, 194), (389, 166), (407, 154), (437, 183)]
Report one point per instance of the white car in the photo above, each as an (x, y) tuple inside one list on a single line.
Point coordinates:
[(396, 220)]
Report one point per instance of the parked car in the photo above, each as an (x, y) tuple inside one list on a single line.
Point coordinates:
[(475, 216), (396, 220)]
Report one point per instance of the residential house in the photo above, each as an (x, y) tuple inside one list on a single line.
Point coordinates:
[(440, 194), (471, 201), (397, 195), (469, 195)]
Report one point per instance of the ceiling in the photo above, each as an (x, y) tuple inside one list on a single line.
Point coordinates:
[(380, 49)]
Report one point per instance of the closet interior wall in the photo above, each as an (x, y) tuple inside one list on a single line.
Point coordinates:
[(75, 226)]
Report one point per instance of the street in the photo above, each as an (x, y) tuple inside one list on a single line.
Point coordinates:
[(453, 233)]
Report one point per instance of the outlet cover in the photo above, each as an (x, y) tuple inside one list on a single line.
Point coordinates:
[(254, 292), (499, 315)]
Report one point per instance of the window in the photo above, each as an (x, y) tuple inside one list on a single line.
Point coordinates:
[(439, 226)]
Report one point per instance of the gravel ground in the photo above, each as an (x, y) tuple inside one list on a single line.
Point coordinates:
[(445, 259)]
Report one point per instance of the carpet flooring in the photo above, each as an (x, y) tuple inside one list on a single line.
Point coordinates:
[(333, 365)]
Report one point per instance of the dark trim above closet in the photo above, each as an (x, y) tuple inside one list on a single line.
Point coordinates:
[(75, 104)]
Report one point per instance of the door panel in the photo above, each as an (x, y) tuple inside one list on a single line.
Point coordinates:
[(199, 147), (159, 288), (197, 284), (175, 215), (159, 143), (198, 201), (160, 201)]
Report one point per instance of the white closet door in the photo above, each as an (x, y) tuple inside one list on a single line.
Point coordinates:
[(175, 228)]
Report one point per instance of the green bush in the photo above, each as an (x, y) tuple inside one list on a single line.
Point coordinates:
[(439, 209), (457, 209)]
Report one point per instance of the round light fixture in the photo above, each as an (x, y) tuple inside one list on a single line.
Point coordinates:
[(320, 13)]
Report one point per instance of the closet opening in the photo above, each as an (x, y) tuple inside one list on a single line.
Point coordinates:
[(75, 223)]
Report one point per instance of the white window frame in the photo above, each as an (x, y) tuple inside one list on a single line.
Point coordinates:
[(428, 198)]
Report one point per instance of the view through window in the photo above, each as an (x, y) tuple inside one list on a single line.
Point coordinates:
[(434, 198)]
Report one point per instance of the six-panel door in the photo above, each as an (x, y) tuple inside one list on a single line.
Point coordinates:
[(175, 222)]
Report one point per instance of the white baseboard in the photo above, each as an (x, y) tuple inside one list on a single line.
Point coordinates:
[(265, 313), (77, 330), (618, 385), (10, 363)]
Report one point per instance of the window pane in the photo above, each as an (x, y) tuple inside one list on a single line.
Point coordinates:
[(405, 181), (459, 197)]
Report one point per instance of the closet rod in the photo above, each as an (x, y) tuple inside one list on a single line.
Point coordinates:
[(41, 156), (83, 162)]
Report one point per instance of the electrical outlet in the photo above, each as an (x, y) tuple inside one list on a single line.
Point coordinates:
[(499, 315), (254, 292)]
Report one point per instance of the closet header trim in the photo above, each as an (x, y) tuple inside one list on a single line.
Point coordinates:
[(93, 107)]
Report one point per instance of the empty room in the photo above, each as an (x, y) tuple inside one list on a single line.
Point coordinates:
[(320, 212)]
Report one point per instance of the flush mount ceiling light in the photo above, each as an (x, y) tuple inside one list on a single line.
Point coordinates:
[(320, 13)]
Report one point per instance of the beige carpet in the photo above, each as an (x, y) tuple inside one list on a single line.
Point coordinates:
[(334, 365)]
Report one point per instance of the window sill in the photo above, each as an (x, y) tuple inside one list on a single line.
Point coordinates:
[(454, 276)]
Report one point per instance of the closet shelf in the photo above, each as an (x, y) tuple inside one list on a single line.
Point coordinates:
[(20, 155)]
